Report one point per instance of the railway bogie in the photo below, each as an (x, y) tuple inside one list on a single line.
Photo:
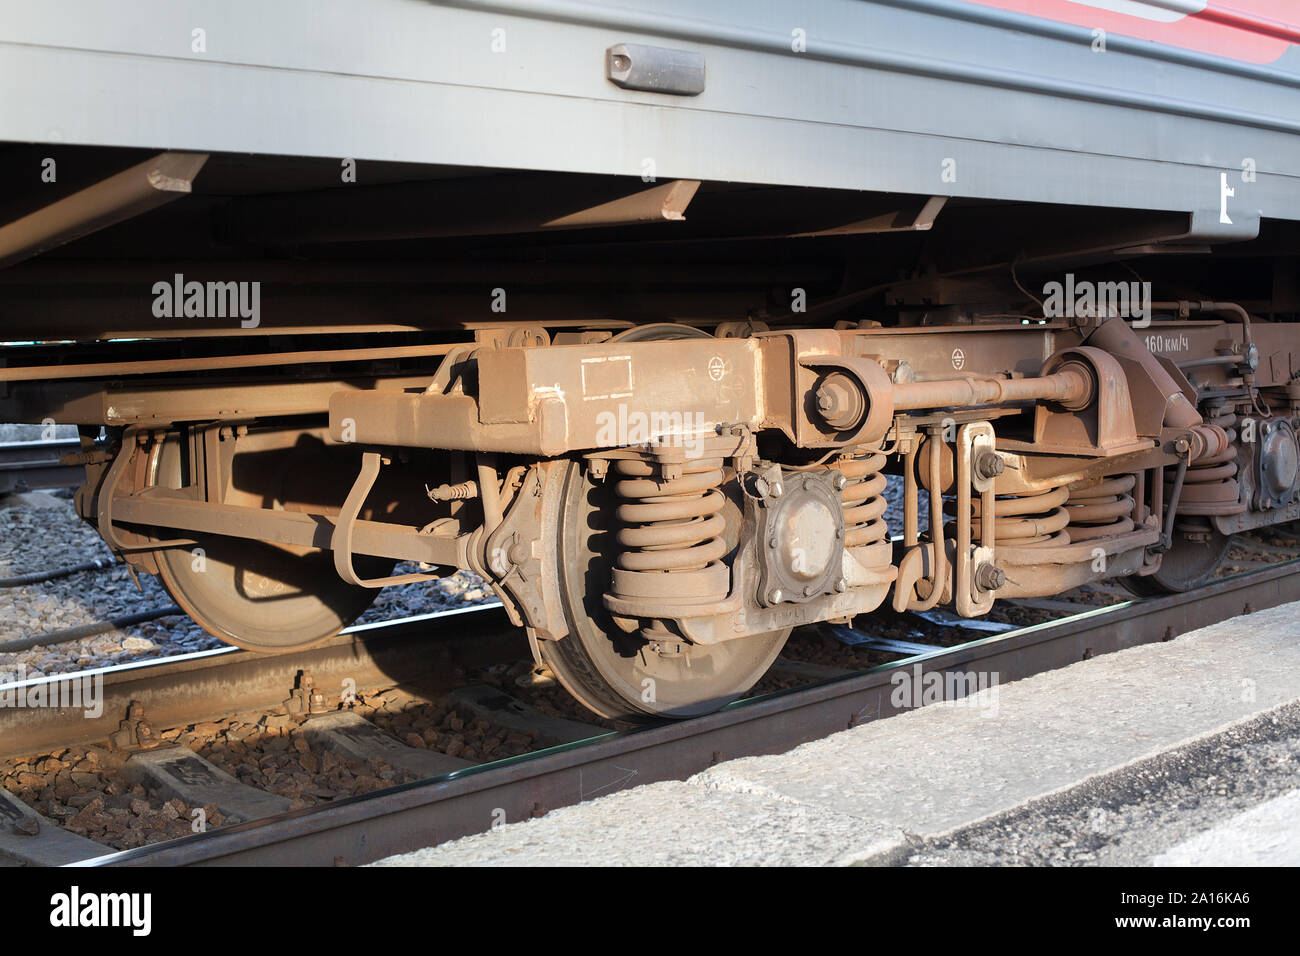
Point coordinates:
[(674, 366), (659, 510)]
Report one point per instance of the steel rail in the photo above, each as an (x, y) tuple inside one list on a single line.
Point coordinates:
[(365, 828), (30, 465), (210, 685)]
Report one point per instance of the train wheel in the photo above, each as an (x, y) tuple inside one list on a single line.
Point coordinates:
[(1186, 566), (618, 675), (254, 594)]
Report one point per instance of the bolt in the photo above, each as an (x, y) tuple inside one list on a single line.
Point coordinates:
[(1181, 446), (839, 481), (775, 596), (772, 542), (840, 401), (841, 585), (989, 577), (809, 591), (989, 464)]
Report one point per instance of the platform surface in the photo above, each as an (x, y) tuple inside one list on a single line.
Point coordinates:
[(885, 791)]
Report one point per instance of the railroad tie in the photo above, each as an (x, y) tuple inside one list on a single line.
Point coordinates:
[(352, 736), (483, 700), (179, 772), (27, 837)]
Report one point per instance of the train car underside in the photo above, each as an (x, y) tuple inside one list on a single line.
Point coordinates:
[(660, 495)]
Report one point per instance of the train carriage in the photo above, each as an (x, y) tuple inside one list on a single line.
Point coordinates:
[(636, 310)]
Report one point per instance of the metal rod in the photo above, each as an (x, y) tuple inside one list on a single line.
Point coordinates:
[(1172, 509), (489, 489), (1067, 385)]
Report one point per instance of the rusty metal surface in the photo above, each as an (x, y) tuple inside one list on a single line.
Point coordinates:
[(286, 527), (363, 829), (1068, 385)]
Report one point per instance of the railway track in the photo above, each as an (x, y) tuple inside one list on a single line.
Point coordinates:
[(33, 465), (417, 795)]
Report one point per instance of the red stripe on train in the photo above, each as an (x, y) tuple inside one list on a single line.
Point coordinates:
[(1254, 31), (1264, 26)]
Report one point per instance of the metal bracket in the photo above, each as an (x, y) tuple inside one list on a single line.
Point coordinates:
[(131, 441), (341, 539), (973, 440), (924, 568), (1171, 508), (655, 69)]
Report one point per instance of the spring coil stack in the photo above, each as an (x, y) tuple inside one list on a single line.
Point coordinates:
[(1210, 485), (670, 537), (1033, 519), (863, 499), (1101, 507)]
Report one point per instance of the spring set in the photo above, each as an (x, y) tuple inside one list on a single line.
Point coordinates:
[(1029, 520), (1100, 507), (1210, 485), (863, 499), (670, 540)]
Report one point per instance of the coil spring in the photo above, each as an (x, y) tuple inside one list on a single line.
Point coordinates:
[(1034, 519), (671, 525), (863, 499), (1101, 507), (1210, 486)]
